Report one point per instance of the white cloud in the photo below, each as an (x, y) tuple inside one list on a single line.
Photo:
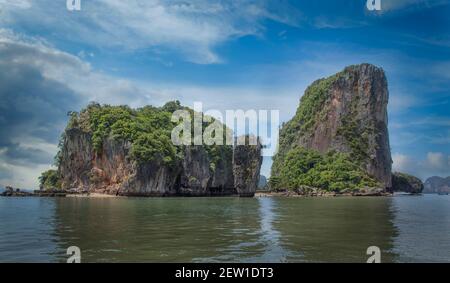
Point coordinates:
[(41, 83), (21, 176), (401, 102), (22, 4), (432, 121), (72, 72), (401, 162), (425, 122), (192, 28), (437, 160), (434, 164)]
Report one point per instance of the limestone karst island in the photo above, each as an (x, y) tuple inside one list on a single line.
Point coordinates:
[(336, 144)]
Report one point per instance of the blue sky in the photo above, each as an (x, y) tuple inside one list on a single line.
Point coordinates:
[(236, 54)]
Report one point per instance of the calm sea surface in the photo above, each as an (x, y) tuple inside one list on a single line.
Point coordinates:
[(405, 228)]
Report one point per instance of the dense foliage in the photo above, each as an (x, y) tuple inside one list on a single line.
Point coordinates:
[(402, 182), (148, 129), (332, 172), (49, 180), (312, 103)]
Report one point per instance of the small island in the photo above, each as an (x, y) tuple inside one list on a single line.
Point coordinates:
[(437, 185), (120, 151), (338, 141)]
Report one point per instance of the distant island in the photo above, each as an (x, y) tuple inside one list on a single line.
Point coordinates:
[(437, 185), (338, 141)]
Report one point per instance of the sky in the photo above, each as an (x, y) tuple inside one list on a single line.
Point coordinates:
[(236, 54)]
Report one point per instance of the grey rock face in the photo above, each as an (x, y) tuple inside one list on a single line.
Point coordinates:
[(262, 182), (247, 162), (406, 183), (111, 171), (196, 173), (83, 168), (149, 179), (200, 176), (360, 92), (352, 119)]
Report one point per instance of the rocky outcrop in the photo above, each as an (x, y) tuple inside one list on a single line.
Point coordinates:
[(247, 161), (406, 183), (83, 168), (346, 113), (437, 185), (262, 182), (14, 192), (112, 171)]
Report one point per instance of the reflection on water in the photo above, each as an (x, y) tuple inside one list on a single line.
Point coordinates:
[(424, 228), (27, 230), (164, 230), (269, 216), (226, 229), (336, 229)]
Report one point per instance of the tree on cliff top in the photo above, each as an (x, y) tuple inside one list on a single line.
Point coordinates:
[(148, 129), (49, 180)]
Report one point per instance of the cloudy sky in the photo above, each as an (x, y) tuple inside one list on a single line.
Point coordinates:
[(236, 54)]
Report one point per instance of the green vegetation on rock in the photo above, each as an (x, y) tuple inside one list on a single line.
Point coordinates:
[(49, 180), (337, 116), (310, 111), (402, 182), (312, 103), (331, 172), (154, 146), (148, 129)]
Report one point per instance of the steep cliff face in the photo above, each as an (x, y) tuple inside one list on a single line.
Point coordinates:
[(117, 166), (247, 161), (84, 168), (262, 182), (201, 176), (346, 113)]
